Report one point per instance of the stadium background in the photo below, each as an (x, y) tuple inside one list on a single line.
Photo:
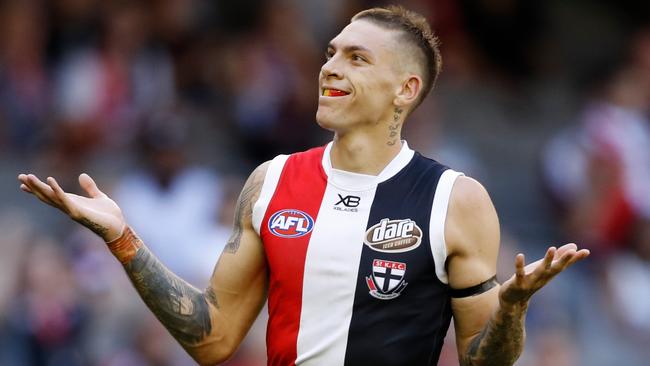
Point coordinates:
[(169, 104)]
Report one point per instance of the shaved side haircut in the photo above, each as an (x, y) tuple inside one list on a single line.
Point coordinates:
[(416, 32)]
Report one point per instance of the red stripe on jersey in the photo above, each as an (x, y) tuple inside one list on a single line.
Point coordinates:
[(301, 188)]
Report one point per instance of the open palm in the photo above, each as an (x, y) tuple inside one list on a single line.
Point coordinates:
[(97, 211), (529, 279)]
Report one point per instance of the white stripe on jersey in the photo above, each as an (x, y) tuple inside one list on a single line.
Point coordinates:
[(438, 219), (268, 188), (331, 268)]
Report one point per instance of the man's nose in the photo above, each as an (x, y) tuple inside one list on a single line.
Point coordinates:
[(331, 69)]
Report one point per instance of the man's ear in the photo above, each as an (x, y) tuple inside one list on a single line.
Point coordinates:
[(409, 91)]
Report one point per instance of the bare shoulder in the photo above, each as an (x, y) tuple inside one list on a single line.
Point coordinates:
[(251, 191), (244, 209), (469, 195), (256, 178), (472, 225)]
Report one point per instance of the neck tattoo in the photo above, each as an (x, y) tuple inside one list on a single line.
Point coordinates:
[(394, 126)]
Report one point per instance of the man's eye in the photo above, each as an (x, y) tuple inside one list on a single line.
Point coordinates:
[(358, 58), (328, 55)]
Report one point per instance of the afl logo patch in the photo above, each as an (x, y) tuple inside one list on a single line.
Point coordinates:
[(394, 236), (290, 223)]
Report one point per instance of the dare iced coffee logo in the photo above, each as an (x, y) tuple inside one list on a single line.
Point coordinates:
[(394, 236)]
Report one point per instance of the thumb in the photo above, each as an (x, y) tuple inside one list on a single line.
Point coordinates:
[(88, 184)]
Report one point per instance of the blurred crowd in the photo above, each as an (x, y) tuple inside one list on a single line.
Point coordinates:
[(169, 104)]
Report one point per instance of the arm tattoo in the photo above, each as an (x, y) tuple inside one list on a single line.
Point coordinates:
[(244, 209), (211, 296), (180, 307), (499, 343), (393, 127), (94, 227)]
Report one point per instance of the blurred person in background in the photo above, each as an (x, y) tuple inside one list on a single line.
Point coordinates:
[(17, 234), (47, 316), (270, 72), (102, 91), (368, 86), (629, 300), (171, 200), (25, 81), (104, 83), (599, 171)]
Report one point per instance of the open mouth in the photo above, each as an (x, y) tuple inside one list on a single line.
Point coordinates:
[(330, 92)]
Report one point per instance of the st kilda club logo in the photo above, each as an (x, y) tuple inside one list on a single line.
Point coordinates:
[(387, 279), (290, 223), (393, 236)]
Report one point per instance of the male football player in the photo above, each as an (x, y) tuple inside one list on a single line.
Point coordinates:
[(365, 248)]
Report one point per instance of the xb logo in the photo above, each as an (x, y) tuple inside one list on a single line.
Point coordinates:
[(348, 201)]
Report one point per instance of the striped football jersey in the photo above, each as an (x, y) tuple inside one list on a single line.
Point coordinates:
[(356, 262)]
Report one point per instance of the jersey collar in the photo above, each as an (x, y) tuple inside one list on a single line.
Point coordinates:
[(360, 182)]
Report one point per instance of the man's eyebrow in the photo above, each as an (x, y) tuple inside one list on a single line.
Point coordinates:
[(352, 48)]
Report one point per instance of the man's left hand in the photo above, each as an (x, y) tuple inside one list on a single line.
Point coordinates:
[(528, 279)]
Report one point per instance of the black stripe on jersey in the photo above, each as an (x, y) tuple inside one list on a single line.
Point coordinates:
[(407, 329)]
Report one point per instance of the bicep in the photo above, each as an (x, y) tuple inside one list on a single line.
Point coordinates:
[(472, 236), (238, 286), (239, 283)]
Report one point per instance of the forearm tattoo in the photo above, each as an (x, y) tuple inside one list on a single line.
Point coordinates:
[(126, 246), (94, 227), (499, 343), (180, 307)]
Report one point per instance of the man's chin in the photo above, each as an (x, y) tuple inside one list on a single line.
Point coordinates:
[(325, 120)]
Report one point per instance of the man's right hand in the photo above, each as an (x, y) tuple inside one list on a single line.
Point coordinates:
[(209, 324), (96, 212)]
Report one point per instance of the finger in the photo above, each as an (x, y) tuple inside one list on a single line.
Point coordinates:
[(88, 184), (520, 263), (580, 255), (561, 250), (548, 258), (65, 201), (37, 185), (24, 188), (22, 178), (562, 263), (40, 190), (544, 267)]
